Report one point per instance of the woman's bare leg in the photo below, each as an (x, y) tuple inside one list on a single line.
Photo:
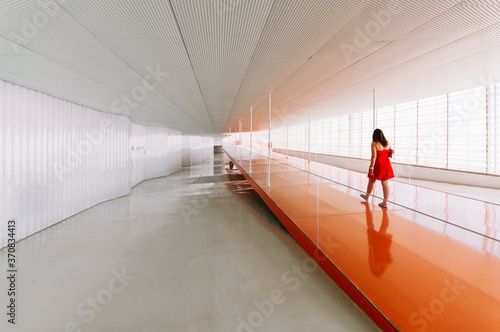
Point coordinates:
[(385, 188), (369, 189)]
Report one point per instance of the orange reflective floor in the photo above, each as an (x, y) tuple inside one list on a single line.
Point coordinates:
[(430, 262)]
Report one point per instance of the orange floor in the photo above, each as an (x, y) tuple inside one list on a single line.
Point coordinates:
[(431, 262)]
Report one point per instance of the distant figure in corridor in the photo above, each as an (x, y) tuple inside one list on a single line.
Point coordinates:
[(380, 166)]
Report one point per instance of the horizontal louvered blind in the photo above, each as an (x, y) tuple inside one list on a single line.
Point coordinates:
[(432, 119), (366, 133), (467, 130), (355, 135), (385, 122), (405, 139), (315, 128), (493, 130), (279, 138), (344, 136), (335, 136), (325, 138), (456, 131)]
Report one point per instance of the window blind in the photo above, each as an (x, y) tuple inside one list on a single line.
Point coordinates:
[(315, 128), (405, 133), (493, 130), (366, 133), (344, 136), (467, 130), (355, 135), (385, 121), (335, 136), (432, 131)]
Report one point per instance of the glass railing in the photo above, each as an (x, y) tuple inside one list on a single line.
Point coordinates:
[(399, 257)]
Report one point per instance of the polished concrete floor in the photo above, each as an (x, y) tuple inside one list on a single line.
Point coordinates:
[(195, 251)]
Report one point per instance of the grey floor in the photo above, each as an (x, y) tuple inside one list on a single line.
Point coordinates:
[(194, 251)]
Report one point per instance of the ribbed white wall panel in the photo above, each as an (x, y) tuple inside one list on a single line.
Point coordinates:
[(196, 149), (207, 151), (186, 150), (156, 146), (137, 153), (57, 159), (175, 151)]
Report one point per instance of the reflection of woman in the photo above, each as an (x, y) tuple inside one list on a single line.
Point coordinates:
[(380, 166), (379, 243)]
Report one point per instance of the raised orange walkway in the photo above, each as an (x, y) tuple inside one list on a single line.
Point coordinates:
[(431, 262)]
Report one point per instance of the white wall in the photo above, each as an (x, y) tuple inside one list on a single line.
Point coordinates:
[(175, 151), (186, 150), (137, 153), (59, 158), (196, 149)]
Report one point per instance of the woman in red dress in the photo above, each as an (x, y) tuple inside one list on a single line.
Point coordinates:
[(380, 166)]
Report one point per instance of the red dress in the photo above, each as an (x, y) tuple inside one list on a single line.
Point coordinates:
[(382, 170)]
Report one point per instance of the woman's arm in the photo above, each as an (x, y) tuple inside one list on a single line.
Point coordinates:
[(374, 156)]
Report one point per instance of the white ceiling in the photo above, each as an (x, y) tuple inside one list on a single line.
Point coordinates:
[(218, 58)]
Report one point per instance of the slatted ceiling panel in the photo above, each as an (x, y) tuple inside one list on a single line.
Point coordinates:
[(457, 51), (7, 48), (456, 23), (481, 3), (244, 102), (152, 105), (66, 42), (241, 109), (290, 23), (382, 59), (60, 30), (125, 19), (399, 25), (50, 77), (144, 34), (362, 17), (294, 32), (331, 60), (315, 72), (168, 54), (222, 84), (298, 28), (291, 48), (220, 36), (493, 50), (14, 14), (400, 86), (266, 73), (71, 46), (219, 93), (371, 68)]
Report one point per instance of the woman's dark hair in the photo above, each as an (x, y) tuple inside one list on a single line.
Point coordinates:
[(378, 136)]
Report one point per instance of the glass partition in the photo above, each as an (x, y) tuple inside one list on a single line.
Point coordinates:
[(406, 254)]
